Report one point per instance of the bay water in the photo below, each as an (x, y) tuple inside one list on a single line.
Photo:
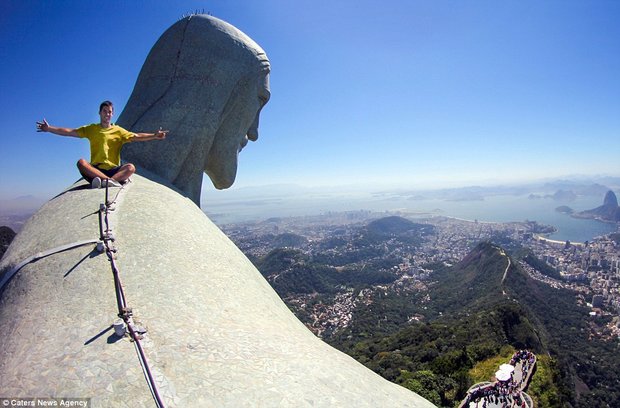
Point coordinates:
[(491, 208)]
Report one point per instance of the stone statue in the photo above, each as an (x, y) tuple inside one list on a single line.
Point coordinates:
[(217, 334), (206, 82)]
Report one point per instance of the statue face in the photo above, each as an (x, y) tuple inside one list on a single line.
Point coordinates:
[(239, 126), (209, 96), (263, 97)]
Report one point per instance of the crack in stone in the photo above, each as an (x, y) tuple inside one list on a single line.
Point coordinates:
[(174, 75)]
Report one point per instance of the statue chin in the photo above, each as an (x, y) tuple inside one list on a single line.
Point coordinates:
[(223, 174), (222, 183)]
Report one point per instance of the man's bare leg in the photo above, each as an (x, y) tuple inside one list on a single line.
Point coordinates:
[(88, 170), (126, 171)]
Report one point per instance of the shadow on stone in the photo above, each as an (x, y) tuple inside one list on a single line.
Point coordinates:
[(113, 338), (101, 333), (76, 187), (91, 255)]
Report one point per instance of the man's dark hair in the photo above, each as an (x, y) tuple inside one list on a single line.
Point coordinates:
[(106, 103)]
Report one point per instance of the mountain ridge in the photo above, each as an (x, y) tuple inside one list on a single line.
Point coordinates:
[(474, 324)]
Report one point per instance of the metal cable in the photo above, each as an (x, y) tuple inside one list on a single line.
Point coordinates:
[(107, 238), (123, 311), (7, 276)]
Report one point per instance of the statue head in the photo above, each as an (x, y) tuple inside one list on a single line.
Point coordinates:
[(206, 82)]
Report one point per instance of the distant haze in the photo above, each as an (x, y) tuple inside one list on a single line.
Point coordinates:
[(536, 201)]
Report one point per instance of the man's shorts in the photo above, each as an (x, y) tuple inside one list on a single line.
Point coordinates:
[(108, 172)]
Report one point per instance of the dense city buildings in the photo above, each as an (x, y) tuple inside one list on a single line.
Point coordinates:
[(591, 269)]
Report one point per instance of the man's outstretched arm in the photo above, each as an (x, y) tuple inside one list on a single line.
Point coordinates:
[(46, 127), (144, 137)]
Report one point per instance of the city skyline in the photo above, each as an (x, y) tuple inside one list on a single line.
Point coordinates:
[(410, 94)]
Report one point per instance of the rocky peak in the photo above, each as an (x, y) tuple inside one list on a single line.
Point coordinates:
[(609, 211), (610, 200)]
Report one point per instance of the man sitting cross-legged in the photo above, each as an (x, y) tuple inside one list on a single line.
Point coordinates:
[(106, 140)]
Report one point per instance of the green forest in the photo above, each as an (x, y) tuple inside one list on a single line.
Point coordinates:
[(439, 342)]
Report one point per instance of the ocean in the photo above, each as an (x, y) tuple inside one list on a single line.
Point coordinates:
[(491, 208)]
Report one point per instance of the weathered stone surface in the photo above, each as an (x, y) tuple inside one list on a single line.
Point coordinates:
[(206, 82), (218, 335)]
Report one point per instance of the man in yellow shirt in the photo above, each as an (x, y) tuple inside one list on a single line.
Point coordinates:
[(106, 140)]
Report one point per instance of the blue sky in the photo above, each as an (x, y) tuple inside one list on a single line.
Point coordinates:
[(378, 93)]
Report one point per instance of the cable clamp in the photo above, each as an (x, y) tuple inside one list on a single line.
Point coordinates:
[(125, 313)]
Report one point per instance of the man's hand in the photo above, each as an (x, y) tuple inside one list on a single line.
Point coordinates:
[(46, 127), (43, 126), (160, 134)]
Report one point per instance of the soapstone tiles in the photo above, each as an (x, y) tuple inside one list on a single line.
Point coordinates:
[(218, 335)]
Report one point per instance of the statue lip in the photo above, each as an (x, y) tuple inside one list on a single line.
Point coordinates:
[(244, 142), (251, 134)]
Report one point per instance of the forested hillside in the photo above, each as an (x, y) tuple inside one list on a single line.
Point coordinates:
[(434, 331)]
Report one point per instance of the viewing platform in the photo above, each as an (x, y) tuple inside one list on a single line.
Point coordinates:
[(508, 388)]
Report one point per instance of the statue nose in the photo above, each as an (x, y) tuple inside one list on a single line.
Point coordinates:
[(253, 135)]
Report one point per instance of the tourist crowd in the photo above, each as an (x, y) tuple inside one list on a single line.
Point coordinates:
[(499, 393), (504, 393), (527, 359)]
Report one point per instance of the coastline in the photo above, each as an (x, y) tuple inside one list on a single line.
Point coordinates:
[(598, 218), (554, 241), (472, 221)]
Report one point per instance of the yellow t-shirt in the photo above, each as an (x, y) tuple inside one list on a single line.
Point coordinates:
[(105, 144)]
